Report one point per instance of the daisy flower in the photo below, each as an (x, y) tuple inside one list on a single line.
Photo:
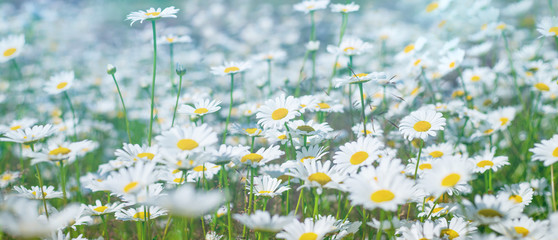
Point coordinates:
[(58, 151), (59, 83), (312, 46), (152, 14), (36, 193), (520, 194), (186, 201), (139, 213), (129, 181), (456, 228), (352, 155), (413, 48), (100, 209), (372, 129), (268, 187), (501, 118), (523, 227), (546, 151), (18, 124), (361, 78), (276, 112), (421, 124), (273, 55), (548, 27), (306, 230), (451, 61), (310, 128), (187, 139), (204, 170), (310, 152), (488, 161), (345, 8), (350, 46), (386, 191), (439, 150), (134, 152), (263, 221), (11, 47), (171, 39), (229, 68), (307, 6), (316, 174), (489, 209), (29, 135), (201, 107), (261, 157), (8, 177), (418, 231), (250, 130), (448, 174)]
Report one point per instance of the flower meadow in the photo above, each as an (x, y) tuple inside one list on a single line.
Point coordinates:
[(297, 120)]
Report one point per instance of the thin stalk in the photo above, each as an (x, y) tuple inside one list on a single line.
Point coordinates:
[(67, 97), (299, 200), (230, 110), (124, 108), (171, 53), (418, 159), (316, 202), (177, 97), (553, 188), (269, 77), (379, 233), (42, 189), (153, 83), (344, 22), (63, 180), (167, 227), (362, 107), (18, 70)]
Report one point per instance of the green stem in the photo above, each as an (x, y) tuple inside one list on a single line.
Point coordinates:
[(18, 70), (379, 233), (299, 200), (552, 187), (177, 97), (230, 110), (167, 227), (269, 77), (63, 180), (124, 108), (513, 72), (362, 107), (418, 159), (316, 202), (42, 189), (171, 52), (150, 134), (73, 113)]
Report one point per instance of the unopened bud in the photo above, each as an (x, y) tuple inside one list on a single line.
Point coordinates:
[(180, 70), (111, 69)]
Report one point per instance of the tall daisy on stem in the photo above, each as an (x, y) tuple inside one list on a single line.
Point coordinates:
[(152, 15), (180, 70), (547, 151), (421, 124), (229, 68), (111, 70)]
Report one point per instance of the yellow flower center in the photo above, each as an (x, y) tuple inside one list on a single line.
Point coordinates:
[(382, 196), (15, 127), (253, 157), (149, 156), (201, 111), (542, 87), (319, 177), (451, 180), (358, 157), (432, 6), (130, 186), (450, 233), (516, 198), (501, 26), (487, 212), (200, 169), (552, 30), (359, 75), (308, 236), (452, 64), (488, 131), (304, 158), (100, 209), (187, 144), (323, 105), (485, 163), (170, 39), (409, 48), (555, 152), (282, 137), (232, 69), (265, 192), (521, 230), (436, 154), (417, 62), (7, 177), (279, 114), (306, 128), (251, 130), (475, 78), (348, 49), (9, 52), (504, 120), (425, 166), (435, 210), (61, 85), (178, 180), (59, 151), (422, 126), (153, 14), (141, 215)]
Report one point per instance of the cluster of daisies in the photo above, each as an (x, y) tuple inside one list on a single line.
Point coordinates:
[(438, 125)]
